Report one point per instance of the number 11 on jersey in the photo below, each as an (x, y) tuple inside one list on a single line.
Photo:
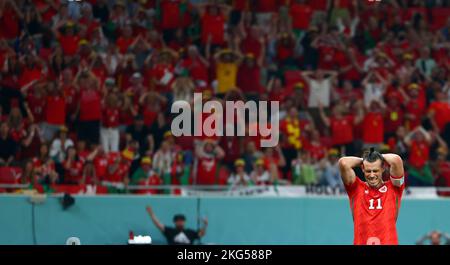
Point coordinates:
[(371, 207)]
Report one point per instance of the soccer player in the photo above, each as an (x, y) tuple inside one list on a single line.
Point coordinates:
[(374, 203)]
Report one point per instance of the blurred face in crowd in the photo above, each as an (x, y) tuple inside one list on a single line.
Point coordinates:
[(134, 145), (255, 32), (419, 136), (70, 31), (84, 81), (440, 96), (192, 52), (100, 151), (15, 118), (293, 113), (268, 152), (315, 136), (441, 74), (375, 106), (4, 129), (136, 80), (153, 36), (250, 62), (29, 60), (373, 23), (89, 168), (111, 100), (43, 150), (392, 101), (227, 57), (142, 16), (179, 35), (86, 12), (423, 25), (165, 58), (333, 158), (413, 92), (442, 156), (112, 49), (119, 9), (381, 60), (373, 172), (15, 113), (67, 60), (408, 63), (265, 97), (259, 168), (214, 10), (98, 63), (435, 238), (251, 148), (401, 132), (140, 46), (59, 60), (13, 62), (337, 111), (398, 20), (319, 74), (425, 53), (161, 118), (146, 167), (67, 76), (127, 32), (240, 170), (348, 86), (209, 147), (139, 122), (285, 40), (62, 135), (110, 87), (165, 146), (71, 152), (28, 167), (277, 85), (81, 146), (179, 224), (51, 88), (63, 11)]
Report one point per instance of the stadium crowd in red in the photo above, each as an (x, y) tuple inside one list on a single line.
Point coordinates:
[(87, 87)]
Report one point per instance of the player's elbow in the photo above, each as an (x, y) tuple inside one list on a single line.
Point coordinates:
[(397, 160), (343, 163)]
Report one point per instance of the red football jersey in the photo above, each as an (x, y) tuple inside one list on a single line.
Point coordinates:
[(375, 211), (206, 170)]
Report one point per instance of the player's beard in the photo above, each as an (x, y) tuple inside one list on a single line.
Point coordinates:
[(374, 182)]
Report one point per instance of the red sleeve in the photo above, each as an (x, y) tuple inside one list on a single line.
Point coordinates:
[(353, 188)]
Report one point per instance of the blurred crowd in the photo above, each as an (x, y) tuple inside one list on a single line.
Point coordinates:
[(86, 89)]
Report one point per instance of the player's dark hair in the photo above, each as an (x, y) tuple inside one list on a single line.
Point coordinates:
[(372, 156), (179, 217)]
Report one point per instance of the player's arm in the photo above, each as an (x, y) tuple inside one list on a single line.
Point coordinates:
[(154, 219), (202, 230), (346, 165), (423, 239), (397, 172)]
